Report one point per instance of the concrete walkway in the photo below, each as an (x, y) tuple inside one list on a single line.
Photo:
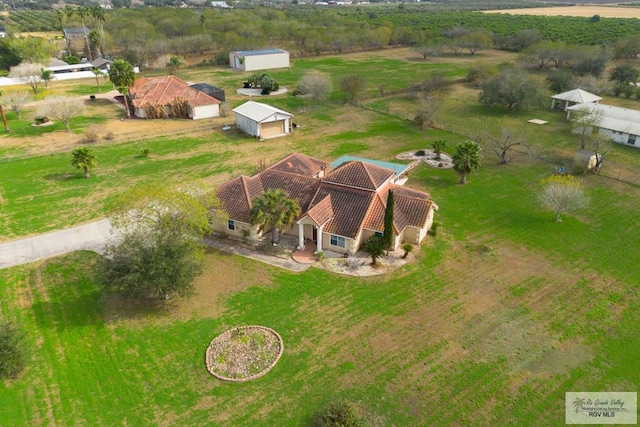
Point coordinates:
[(94, 235)]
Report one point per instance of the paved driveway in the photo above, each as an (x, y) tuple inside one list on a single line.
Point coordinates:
[(91, 236), (94, 235)]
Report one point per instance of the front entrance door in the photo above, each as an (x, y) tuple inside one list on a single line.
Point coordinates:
[(315, 234)]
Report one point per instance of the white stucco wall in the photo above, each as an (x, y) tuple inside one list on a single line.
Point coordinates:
[(205, 111), (266, 62), (247, 125), (620, 137)]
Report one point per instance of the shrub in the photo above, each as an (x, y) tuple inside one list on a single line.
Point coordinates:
[(110, 136), (628, 91), (41, 120), (340, 414), (89, 137), (617, 90), (145, 152), (220, 58), (407, 247), (420, 153), (71, 59), (12, 350)]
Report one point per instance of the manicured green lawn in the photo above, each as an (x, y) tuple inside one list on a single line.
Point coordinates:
[(42, 193), (393, 343), (502, 312), (23, 128)]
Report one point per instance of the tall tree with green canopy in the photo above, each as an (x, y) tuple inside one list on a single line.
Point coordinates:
[(387, 234), (161, 250), (83, 158), (466, 159), (122, 76), (274, 211)]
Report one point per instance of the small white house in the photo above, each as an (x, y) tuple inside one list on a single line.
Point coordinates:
[(253, 60), (263, 121), (621, 125)]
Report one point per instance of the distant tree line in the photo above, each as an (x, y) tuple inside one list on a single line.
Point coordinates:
[(141, 36)]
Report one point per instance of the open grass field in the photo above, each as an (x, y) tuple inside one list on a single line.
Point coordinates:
[(502, 312)]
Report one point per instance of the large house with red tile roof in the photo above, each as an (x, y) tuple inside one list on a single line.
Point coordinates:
[(340, 209), (170, 96)]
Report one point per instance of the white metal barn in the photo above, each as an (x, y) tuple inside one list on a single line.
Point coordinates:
[(621, 125), (252, 60), (263, 121)]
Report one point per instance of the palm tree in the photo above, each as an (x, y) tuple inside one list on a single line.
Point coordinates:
[(375, 248), (274, 211), (174, 63), (60, 18), (98, 73), (122, 76), (83, 12), (83, 158), (203, 21), (69, 11), (406, 247), (466, 159), (100, 16), (46, 76), (438, 147)]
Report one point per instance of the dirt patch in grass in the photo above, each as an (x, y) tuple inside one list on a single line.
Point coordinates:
[(223, 275), (501, 305)]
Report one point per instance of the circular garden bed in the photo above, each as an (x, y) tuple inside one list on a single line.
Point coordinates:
[(244, 353)]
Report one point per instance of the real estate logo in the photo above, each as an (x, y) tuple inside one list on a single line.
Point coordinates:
[(601, 407)]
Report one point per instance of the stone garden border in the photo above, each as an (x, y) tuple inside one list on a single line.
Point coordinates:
[(209, 353), (445, 162)]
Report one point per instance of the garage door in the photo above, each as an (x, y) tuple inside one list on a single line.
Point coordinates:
[(271, 129)]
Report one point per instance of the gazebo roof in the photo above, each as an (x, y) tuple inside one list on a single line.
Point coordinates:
[(578, 96)]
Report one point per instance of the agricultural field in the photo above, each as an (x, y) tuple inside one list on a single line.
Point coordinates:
[(586, 11), (501, 313)]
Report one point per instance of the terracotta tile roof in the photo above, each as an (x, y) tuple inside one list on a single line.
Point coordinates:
[(299, 164), (162, 90), (349, 205), (322, 211), (359, 175), (374, 220), (411, 208), (344, 209), (300, 188), (234, 199)]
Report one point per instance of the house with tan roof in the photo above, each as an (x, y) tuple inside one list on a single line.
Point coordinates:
[(170, 96), (340, 208)]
